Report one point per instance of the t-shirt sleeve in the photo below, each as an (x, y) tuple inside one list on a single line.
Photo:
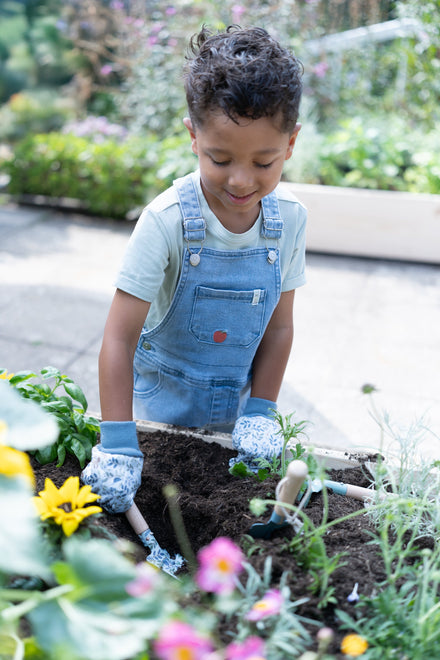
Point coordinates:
[(294, 274), (146, 258)]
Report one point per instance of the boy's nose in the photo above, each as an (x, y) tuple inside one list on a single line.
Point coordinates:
[(240, 180)]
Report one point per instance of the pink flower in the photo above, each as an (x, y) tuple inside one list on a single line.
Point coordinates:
[(269, 605), (237, 13), (170, 11), (251, 649), (179, 640), (106, 69), (320, 69), (147, 578), (219, 564)]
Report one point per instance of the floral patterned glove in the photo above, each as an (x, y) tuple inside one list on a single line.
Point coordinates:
[(256, 434), (115, 470)]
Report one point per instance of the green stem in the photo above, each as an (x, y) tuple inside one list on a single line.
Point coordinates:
[(29, 600), (171, 493)]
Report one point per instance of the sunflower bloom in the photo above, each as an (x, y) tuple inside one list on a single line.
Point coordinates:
[(66, 505), (354, 645), (4, 375), (15, 463)]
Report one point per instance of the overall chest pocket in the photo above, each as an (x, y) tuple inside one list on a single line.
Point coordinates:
[(226, 317)]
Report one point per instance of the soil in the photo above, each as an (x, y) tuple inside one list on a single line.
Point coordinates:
[(215, 503)]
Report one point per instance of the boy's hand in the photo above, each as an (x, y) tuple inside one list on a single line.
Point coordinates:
[(256, 434), (115, 470)]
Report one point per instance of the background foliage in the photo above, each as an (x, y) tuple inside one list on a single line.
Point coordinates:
[(369, 112)]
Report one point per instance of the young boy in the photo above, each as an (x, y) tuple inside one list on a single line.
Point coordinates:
[(200, 328)]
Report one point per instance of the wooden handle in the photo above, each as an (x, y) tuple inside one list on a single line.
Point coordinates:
[(359, 493), (136, 519), (295, 476)]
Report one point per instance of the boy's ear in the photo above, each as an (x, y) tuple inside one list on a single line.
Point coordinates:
[(188, 124), (292, 141)]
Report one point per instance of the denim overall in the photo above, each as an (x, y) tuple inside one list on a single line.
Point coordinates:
[(194, 368)]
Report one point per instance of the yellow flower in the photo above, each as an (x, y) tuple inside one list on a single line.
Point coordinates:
[(5, 376), (354, 645), (15, 463), (66, 505)]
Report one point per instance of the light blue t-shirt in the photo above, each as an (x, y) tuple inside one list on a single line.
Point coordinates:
[(151, 265)]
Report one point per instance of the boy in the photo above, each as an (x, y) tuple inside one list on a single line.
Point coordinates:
[(200, 328)]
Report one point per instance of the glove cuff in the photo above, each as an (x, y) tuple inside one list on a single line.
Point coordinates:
[(119, 438), (255, 406)]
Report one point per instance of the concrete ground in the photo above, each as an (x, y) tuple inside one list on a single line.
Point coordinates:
[(357, 321)]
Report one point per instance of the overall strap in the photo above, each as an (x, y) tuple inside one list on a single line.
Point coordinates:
[(194, 225), (272, 224)]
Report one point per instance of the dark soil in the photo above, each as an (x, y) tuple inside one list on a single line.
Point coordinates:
[(214, 503)]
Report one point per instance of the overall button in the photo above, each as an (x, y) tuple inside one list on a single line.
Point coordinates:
[(146, 345), (272, 256)]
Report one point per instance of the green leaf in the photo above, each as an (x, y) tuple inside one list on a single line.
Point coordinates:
[(55, 406), (21, 547), (50, 372), (21, 376), (46, 455), (67, 400), (78, 450), (78, 419), (76, 393), (61, 453), (240, 470)]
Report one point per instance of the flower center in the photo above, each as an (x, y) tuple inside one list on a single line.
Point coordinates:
[(223, 565)]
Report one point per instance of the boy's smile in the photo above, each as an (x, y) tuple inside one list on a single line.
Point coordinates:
[(240, 163)]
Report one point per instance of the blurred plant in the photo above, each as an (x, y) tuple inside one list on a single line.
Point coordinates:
[(380, 154), (110, 178), (97, 129), (77, 431), (33, 111)]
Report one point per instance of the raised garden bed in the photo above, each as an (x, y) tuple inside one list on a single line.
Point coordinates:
[(371, 223), (214, 503)]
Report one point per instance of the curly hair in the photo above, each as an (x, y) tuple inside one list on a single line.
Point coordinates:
[(244, 73)]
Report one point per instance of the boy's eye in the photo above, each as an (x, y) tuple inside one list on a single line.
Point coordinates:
[(220, 163), (263, 166)]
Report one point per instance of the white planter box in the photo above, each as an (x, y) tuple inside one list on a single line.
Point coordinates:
[(371, 223)]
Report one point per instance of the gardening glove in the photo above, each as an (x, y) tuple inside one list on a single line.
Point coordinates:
[(114, 473), (158, 556), (256, 434)]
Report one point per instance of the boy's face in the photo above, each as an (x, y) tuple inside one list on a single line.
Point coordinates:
[(239, 164)]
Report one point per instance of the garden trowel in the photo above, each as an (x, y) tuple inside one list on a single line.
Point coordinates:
[(340, 488), (158, 556), (288, 490)]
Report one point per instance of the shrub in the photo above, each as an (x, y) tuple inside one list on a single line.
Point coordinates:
[(27, 112), (110, 179), (380, 154)]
